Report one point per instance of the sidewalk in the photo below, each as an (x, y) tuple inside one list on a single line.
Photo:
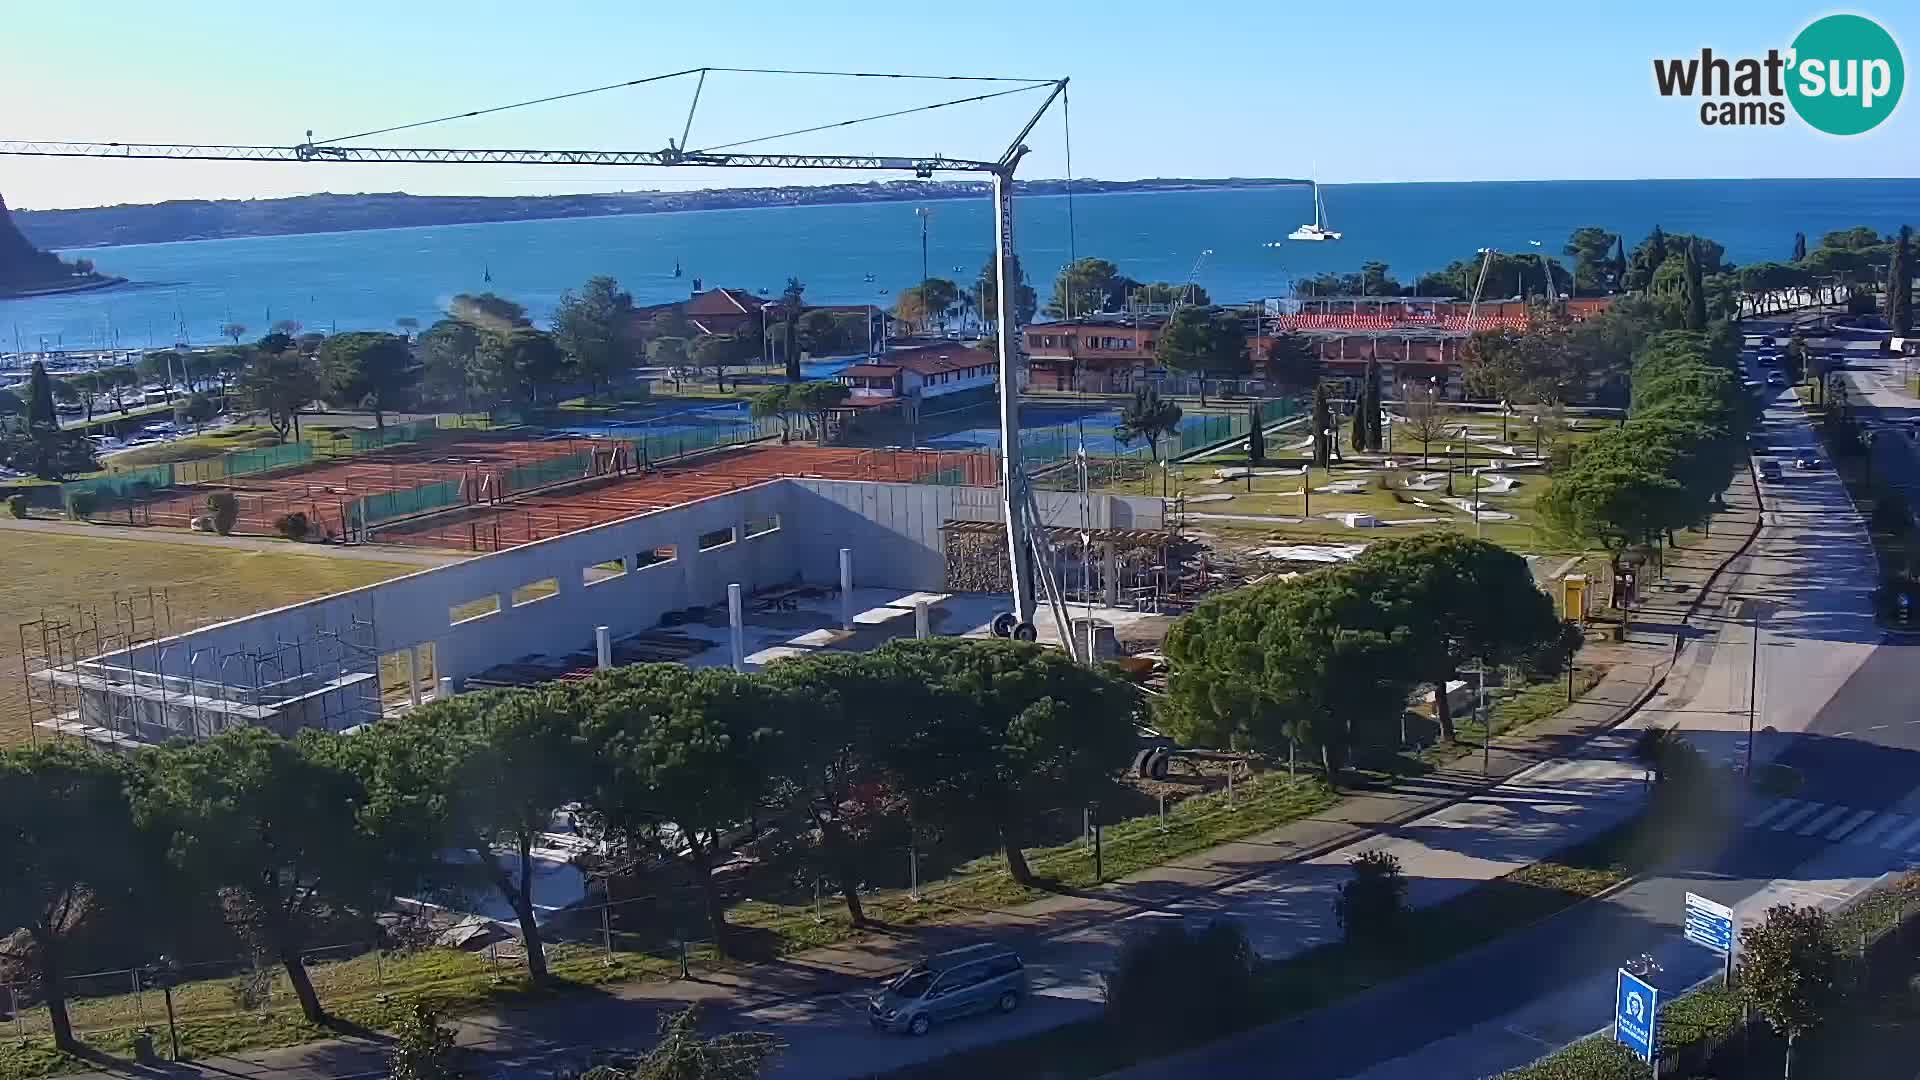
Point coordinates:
[(1066, 935)]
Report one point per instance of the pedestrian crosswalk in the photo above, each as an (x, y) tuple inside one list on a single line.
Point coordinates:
[(1839, 823)]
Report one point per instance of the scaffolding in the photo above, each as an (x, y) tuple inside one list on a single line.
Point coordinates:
[(128, 681)]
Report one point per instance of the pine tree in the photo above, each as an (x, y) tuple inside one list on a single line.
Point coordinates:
[(1900, 284)]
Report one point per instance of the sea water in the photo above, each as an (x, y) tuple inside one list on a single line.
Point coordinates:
[(1230, 241)]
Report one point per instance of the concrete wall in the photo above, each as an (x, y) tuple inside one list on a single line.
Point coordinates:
[(894, 530)]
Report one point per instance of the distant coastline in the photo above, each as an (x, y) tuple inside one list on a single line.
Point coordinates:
[(168, 222), (95, 284)]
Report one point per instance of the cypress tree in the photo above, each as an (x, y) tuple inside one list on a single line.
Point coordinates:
[(1322, 424), (1694, 289), (1799, 246), (1900, 284), (1619, 263), (1256, 439), (40, 414)]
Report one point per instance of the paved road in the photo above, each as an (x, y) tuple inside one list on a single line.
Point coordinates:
[(1833, 702)]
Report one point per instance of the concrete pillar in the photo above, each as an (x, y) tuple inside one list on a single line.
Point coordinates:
[(922, 622), (603, 647), (413, 676), (846, 588), (736, 631), (446, 688), (1110, 574)]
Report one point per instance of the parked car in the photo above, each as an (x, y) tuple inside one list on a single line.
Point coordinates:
[(1808, 462), (1776, 379), (1769, 471), (949, 985)]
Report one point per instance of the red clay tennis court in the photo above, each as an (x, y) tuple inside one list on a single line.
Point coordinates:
[(540, 515), (324, 491)]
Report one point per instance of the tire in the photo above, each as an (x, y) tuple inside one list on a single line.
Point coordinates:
[(919, 1025), (1003, 624), (1008, 1002)]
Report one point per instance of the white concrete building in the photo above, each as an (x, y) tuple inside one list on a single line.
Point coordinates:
[(323, 663)]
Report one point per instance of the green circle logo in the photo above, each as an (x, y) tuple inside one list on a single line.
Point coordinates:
[(1846, 75)]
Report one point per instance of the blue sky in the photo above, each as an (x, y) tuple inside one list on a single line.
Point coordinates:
[(1386, 91)]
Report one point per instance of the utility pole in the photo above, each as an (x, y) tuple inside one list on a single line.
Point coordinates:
[(925, 214), (1753, 683)]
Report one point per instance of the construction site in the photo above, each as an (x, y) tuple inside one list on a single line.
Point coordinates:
[(738, 556)]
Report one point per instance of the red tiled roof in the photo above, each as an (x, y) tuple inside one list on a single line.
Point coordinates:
[(876, 370), (1389, 323), (934, 359), (725, 302)]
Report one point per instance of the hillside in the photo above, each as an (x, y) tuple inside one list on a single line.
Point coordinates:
[(24, 268), (205, 219)]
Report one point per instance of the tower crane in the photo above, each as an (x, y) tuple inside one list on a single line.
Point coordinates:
[(1024, 531)]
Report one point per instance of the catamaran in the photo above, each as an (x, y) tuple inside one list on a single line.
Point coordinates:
[(1318, 230)]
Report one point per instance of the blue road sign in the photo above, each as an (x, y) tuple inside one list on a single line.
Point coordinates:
[(1636, 1014), (1709, 924)]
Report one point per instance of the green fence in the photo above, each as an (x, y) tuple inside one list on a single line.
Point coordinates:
[(135, 484), (242, 463), (391, 435), (654, 447), (550, 471), (386, 506)]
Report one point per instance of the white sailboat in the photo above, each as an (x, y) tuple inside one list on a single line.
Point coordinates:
[(1318, 230)]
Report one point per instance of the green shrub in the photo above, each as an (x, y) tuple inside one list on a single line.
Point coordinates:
[(1373, 906), (292, 526), (17, 505), (421, 1049), (1176, 985), (225, 510)]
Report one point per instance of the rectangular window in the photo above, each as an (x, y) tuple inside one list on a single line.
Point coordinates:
[(602, 571), (535, 591), (716, 538), (473, 609), (655, 557), (763, 526)]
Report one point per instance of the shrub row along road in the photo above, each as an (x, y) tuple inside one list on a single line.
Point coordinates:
[(1835, 703)]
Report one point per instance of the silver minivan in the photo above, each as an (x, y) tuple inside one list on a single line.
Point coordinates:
[(948, 985)]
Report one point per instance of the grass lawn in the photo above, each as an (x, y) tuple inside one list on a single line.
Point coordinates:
[(194, 447), (49, 573), (1280, 497)]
